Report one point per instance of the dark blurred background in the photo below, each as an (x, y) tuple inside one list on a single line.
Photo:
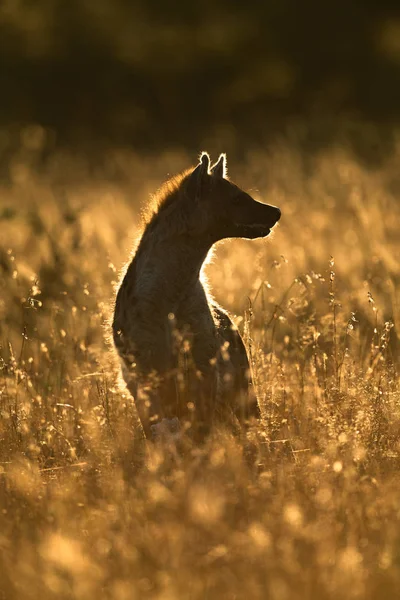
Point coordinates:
[(157, 75)]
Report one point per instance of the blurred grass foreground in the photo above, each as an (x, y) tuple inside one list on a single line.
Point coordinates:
[(87, 509)]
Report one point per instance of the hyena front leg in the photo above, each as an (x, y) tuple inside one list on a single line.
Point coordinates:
[(156, 403), (235, 363), (150, 378), (147, 404)]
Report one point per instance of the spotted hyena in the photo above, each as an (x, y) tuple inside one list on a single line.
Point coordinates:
[(183, 360)]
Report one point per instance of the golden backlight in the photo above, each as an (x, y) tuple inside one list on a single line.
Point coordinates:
[(88, 509)]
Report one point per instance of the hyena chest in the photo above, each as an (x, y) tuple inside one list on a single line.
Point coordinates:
[(198, 336)]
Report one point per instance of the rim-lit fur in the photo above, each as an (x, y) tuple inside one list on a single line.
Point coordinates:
[(181, 355)]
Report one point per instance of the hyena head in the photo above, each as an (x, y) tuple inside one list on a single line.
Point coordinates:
[(220, 209)]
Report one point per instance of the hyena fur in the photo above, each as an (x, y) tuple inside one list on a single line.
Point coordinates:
[(183, 359)]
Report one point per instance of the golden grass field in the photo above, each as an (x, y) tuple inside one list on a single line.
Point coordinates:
[(87, 509)]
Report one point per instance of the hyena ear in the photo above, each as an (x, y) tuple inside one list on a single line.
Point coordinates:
[(197, 179), (219, 169), (203, 168)]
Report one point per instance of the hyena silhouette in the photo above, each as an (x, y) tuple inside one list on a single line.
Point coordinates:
[(183, 359)]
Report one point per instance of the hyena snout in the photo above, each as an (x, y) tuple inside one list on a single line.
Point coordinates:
[(275, 214), (257, 219)]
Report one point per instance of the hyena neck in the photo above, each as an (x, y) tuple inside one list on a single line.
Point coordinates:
[(167, 269)]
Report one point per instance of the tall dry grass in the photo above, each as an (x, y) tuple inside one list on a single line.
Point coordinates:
[(87, 510)]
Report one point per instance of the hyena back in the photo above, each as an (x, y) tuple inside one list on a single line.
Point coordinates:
[(181, 355)]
